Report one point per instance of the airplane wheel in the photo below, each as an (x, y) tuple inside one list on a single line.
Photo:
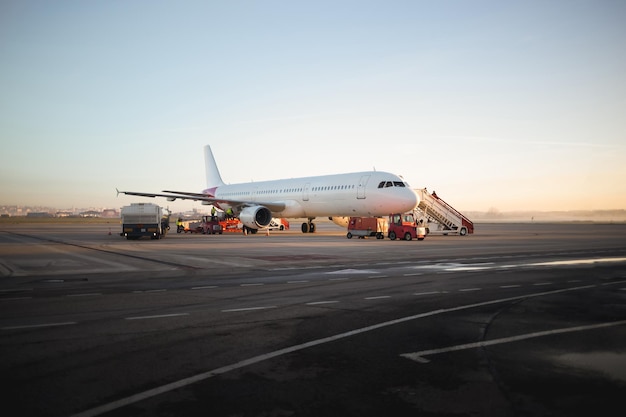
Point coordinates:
[(311, 227), (305, 228)]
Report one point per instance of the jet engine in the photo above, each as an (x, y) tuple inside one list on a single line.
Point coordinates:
[(340, 221), (255, 217)]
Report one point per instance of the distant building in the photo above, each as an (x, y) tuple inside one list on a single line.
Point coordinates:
[(91, 213), (39, 214), (110, 213)]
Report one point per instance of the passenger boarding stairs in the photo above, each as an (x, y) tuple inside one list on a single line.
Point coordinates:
[(443, 213)]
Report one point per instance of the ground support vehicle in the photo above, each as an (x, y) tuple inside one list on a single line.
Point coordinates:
[(446, 219), (403, 226), (211, 226), (190, 226), (278, 224), (367, 226), (231, 225), (144, 219)]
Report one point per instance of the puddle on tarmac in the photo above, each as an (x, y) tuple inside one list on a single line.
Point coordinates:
[(609, 363)]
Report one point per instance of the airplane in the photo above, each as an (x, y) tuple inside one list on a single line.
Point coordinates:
[(362, 194)]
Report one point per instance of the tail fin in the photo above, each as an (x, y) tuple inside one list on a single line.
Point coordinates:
[(213, 177)]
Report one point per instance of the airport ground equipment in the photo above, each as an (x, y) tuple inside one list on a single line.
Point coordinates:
[(404, 226), (278, 224), (210, 225), (144, 219), (447, 219), (367, 226)]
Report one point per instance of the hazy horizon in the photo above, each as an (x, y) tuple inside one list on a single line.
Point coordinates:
[(514, 106)]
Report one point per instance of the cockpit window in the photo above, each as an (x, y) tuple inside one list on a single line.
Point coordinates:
[(387, 184)]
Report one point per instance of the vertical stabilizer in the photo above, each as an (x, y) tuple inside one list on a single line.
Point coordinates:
[(213, 177)]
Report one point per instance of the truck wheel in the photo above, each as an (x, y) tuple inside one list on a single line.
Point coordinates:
[(407, 236), (463, 231), (392, 235), (349, 235)]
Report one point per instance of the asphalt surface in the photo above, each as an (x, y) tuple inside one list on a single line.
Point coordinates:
[(515, 320)]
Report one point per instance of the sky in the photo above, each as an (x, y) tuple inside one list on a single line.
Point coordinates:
[(495, 105)]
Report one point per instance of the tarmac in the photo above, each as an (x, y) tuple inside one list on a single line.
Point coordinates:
[(515, 320)]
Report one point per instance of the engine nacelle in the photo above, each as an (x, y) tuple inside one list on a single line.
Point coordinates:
[(255, 217), (340, 221)]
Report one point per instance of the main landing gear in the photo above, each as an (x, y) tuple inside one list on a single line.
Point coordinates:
[(308, 227)]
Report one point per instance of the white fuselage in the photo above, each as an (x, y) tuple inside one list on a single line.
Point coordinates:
[(365, 194)]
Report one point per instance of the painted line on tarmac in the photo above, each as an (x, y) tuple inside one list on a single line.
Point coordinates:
[(419, 356), (232, 310), (427, 293), (35, 326), (122, 402), (157, 316)]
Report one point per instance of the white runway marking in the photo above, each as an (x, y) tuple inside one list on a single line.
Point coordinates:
[(427, 293), (316, 303), (34, 326), (104, 408), (419, 356), (158, 316), (247, 309)]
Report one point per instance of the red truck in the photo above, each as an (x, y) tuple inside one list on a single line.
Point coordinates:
[(405, 227), (367, 226)]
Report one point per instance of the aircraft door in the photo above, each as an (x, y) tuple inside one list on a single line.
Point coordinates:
[(305, 191), (360, 191)]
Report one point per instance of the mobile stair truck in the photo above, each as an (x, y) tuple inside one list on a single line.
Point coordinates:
[(144, 219), (446, 218)]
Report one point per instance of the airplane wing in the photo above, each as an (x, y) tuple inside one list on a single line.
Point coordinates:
[(183, 195), (171, 196)]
